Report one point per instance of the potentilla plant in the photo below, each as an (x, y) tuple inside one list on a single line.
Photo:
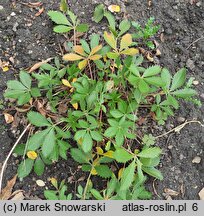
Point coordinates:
[(92, 102)]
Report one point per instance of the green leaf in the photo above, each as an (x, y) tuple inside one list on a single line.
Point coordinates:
[(166, 77), (110, 132), (143, 86), (119, 138), (96, 194), (124, 27), (62, 134), (178, 79), (156, 81), (122, 156), (111, 20), (25, 79), (82, 28), (20, 149), (35, 92), (62, 29), (153, 172), (127, 176), (25, 168), (37, 139), (98, 13), (48, 143), (37, 119), (14, 84), (152, 71), (94, 40), (112, 55), (151, 152), (96, 135), (103, 171), (139, 172), (110, 39), (85, 46), (39, 166), (79, 156), (116, 113), (72, 16), (58, 18), (13, 93), (150, 161), (87, 143), (24, 98), (185, 93), (50, 195), (172, 101)]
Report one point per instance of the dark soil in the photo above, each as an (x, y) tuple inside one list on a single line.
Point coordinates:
[(29, 39)]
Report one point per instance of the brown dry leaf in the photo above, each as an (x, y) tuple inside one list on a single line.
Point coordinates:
[(171, 192), (17, 195), (7, 191), (38, 65), (40, 12), (201, 194), (16, 121), (35, 4), (149, 57), (23, 109), (39, 104), (8, 118), (162, 37), (158, 52), (62, 108)]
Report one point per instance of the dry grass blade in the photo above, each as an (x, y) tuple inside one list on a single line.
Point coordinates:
[(7, 191), (38, 65)]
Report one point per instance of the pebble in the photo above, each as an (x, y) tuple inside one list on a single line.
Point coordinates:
[(190, 64), (202, 96), (1, 7), (181, 157), (40, 183), (170, 147), (196, 159), (195, 82), (198, 4), (13, 14), (181, 119)]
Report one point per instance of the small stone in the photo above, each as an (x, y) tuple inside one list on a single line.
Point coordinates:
[(195, 82), (190, 64), (196, 159), (181, 119), (1, 7), (13, 14), (181, 157), (198, 4), (202, 96), (40, 183), (170, 147)]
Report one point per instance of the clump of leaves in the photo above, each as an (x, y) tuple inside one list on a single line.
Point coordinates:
[(102, 90)]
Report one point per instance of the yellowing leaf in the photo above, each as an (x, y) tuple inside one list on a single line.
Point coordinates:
[(114, 8), (149, 57), (120, 173), (126, 41), (74, 80), (110, 39), (32, 155), (131, 51), (83, 64), (8, 118), (80, 141), (66, 83), (5, 69), (99, 150), (109, 154), (95, 57), (54, 182), (72, 57), (95, 50), (75, 105), (93, 171), (79, 49)]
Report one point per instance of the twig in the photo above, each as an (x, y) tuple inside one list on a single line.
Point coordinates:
[(86, 187), (90, 70), (195, 42), (178, 128), (8, 156)]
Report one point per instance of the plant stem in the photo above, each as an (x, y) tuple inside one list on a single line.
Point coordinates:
[(90, 70), (86, 187), (8, 156)]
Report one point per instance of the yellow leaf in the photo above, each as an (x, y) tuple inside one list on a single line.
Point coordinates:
[(93, 171), (120, 173), (83, 64), (8, 118), (72, 57), (75, 105), (95, 50), (79, 49), (109, 154), (54, 182), (110, 39), (99, 150), (66, 83), (5, 69), (126, 41), (95, 57), (74, 80), (131, 51), (114, 8), (32, 155), (80, 141), (149, 57)]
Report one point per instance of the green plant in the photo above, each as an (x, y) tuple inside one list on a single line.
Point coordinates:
[(104, 86)]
